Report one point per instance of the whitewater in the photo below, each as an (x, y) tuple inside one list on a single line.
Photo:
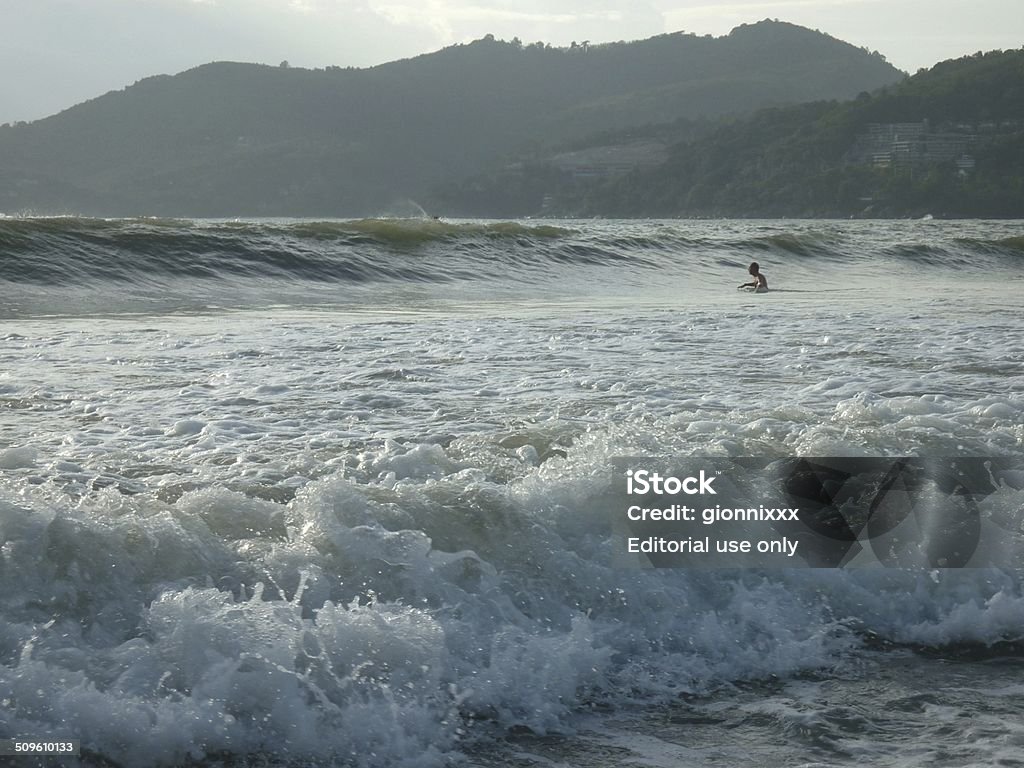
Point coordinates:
[(293, 493)]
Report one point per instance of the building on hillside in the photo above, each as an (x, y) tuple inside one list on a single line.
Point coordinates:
[(912, 146)]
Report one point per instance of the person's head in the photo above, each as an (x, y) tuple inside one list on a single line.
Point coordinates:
[(754, 268)]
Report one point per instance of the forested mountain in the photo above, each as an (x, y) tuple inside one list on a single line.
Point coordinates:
[(948, 141), (231, 139)]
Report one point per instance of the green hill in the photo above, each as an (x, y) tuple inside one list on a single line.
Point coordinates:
[(231, 139), (948, 141)]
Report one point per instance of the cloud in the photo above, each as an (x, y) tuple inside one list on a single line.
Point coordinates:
[(719, 18), (712, 8), (445, 18), (451, 22)]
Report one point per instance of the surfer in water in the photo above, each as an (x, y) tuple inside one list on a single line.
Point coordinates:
[(760, 283)]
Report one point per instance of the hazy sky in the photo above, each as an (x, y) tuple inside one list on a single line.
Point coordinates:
[(56, 53)]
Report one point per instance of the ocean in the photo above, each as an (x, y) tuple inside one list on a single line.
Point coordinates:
[(297, 493)]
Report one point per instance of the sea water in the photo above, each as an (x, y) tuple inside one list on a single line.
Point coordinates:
[(329, 493)]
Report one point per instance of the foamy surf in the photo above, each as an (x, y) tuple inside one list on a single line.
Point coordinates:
[(293, 536)]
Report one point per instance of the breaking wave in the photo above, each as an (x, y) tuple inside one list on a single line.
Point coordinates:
[(404, 612), (150, 252)]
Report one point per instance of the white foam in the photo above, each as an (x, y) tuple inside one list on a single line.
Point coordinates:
[(252, 546), (18, 458)]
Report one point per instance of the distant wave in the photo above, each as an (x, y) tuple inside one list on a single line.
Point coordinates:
[(796, 244), (1004, 244), (79, 251), (86, 252)]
